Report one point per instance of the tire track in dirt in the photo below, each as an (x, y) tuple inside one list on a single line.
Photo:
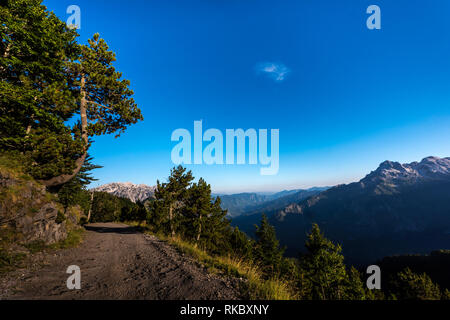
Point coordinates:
[(118, 262)]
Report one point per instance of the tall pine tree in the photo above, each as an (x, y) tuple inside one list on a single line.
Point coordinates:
[(171, 196), (323, 268), (35, 91), (216, 229), (105, 102), (47, 78), (268, 251), (197, 209)]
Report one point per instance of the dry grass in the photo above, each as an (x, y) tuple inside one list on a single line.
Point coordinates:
[(254, 287)]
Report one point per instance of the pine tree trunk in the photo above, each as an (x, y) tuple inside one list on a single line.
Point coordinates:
[(90, 206), (30, 125), (199, 229), (7, 49), (28, 131), (5, 56), (172, 231), (56, 181)]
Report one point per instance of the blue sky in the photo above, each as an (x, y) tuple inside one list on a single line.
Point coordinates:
[(344, 98)]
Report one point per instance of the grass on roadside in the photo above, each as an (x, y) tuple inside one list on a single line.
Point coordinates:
[(256, 286), (73, 239)]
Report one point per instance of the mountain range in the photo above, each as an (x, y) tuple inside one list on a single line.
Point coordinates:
[(249, 203), (396, 209), (134, 192)]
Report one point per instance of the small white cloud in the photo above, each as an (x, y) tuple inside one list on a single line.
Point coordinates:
[(276, 71)]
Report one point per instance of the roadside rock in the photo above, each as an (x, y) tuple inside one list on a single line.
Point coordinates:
[(28, 211)]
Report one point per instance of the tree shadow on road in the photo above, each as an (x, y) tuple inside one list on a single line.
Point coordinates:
[(113, 229)]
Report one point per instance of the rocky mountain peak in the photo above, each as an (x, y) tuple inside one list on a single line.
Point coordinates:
[(391, 172), (433, 166), (134, 192)]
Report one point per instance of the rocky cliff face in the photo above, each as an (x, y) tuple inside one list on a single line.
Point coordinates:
[(134, 192), (27, 211)]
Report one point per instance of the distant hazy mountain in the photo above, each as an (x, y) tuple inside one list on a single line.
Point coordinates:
[(238, 203), (396, 209), (134, 192), (249, 203)]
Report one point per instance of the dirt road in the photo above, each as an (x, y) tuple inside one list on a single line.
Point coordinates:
[(117, 262)]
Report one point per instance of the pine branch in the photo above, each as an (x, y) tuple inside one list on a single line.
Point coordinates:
[(100, 105)]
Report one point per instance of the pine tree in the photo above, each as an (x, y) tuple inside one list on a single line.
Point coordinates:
[(74, 191), (241, 244), (267, 248), (105, 104), (216, 229), (47, 78), (198, 207), (105, 208), (411, 286), (355, 288), (446, 295), (35, 96), (323, 267), (157, 217), (171, 196), (34, 51)]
